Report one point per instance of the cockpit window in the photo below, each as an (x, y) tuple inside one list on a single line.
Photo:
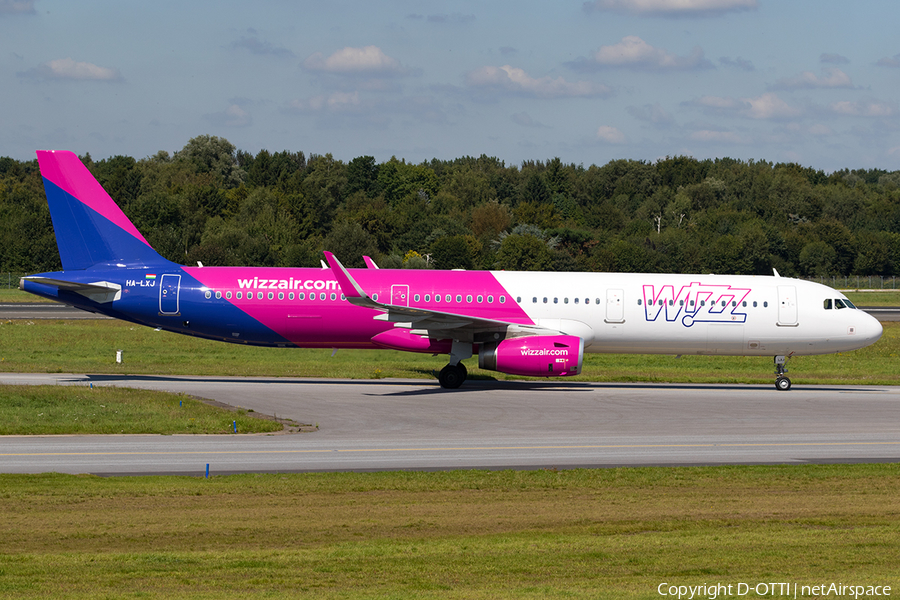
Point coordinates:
[(838, 303), (828, 304), (849, 304)]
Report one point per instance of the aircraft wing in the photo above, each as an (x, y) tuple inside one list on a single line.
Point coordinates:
[(437, 324)]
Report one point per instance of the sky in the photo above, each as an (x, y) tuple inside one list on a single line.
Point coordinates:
[(816, 82)]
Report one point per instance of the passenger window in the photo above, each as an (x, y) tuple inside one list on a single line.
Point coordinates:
[(534, 300), (301, 296), (322, 296), (333, 296), (723, 303), (545, 300), (754, 304), (480, 299), (291, 296), (576, 300), (281, 295), (671, 303), (271, 295), (416, 298), (703, 303), (660, 302), (565, 300), (692, 302), (765, 305), (556, 301), (374, 297), (458, 298), (596, 300), (259, 295), (744, 304), (427, 297), (681, 303), (639, 301), (208, 294), (228, 295), (502, 299), (733, 303), (239, 295), (469, 298), (490, 299), (448, 298), (828, 304), (343, 297)]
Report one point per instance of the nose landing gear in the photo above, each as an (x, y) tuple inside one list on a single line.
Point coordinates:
[(782, 383)]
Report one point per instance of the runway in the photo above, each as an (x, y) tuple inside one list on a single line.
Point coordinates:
[(413, 424)]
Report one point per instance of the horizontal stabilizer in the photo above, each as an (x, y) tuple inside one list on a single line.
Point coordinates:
[(98, 291)]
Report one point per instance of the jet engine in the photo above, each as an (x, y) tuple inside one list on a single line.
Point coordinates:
[(534, 356)]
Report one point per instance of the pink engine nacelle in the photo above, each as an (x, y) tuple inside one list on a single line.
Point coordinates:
[(535, 356)]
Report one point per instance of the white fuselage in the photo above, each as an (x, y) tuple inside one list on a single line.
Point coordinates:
[(693, 314)]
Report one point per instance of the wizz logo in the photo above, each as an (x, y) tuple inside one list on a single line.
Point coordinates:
[(696, 303)]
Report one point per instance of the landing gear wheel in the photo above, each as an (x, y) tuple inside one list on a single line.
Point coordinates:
[(452, 376), (782, 384)]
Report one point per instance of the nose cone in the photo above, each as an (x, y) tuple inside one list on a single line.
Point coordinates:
[(869, 329)]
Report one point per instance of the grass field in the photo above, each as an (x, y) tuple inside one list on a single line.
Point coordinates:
[(614, 533), (48, 410), (87, 346)]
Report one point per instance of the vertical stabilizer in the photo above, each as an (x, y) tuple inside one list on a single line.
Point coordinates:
[(90, 227)]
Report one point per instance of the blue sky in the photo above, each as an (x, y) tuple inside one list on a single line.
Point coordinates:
[(810, 81)]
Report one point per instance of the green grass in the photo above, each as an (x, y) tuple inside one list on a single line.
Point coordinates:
[(46, 410), (889, 298), (87, 346), (614, 533), (15, 296)]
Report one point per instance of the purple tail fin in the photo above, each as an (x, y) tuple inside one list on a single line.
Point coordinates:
[(90, 227)]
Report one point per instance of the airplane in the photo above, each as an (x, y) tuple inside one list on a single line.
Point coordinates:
[(537, 324)]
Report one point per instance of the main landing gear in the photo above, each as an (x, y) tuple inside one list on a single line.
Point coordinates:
[(453, 375), (782, 383)]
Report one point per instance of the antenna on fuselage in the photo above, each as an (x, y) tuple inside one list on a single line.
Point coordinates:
[(775, 271)]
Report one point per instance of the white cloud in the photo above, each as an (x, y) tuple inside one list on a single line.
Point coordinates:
[(17, 7), (717, 137), (518, 81), (336, 102), (820, 130), (66, 68), (525, 120), (833, 59), (610, 135), (672, 7), (765, 107), (889, 61), (632, 51), (807, 80), (233, 116), (738, 63), (652, 113), (863, 109), (254, 45), (351, 61)]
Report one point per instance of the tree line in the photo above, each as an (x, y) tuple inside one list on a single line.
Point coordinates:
[(214, 203)]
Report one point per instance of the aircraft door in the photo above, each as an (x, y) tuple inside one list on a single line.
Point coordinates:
[(615, 306), (169, 292), (787, 305), (400, 295)]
